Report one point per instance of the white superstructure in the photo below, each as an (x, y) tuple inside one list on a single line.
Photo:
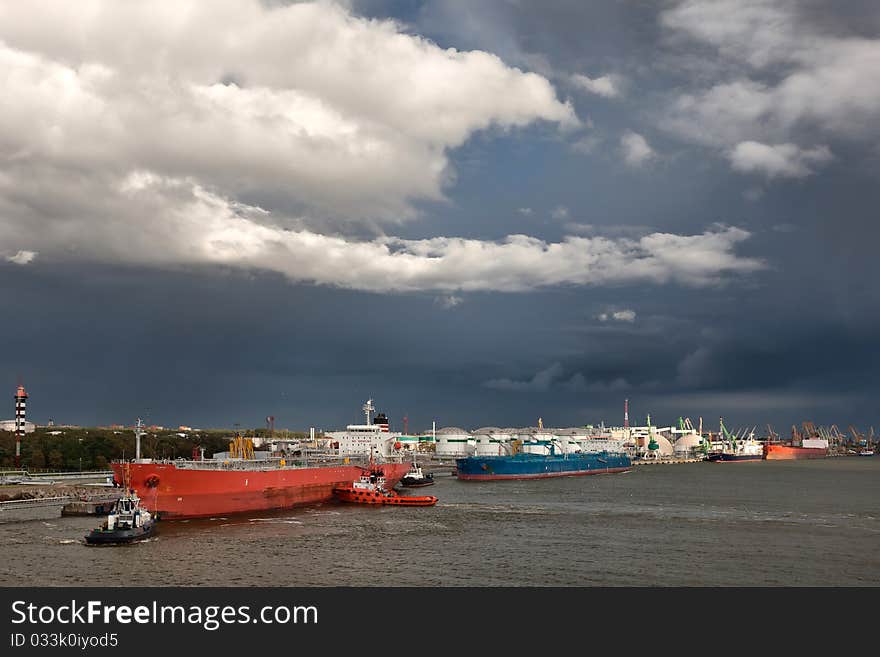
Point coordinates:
[(374, 437)]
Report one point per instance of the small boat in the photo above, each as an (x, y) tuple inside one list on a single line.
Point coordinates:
[(864, 452), (126, 522), (370, 489), (415, 478)]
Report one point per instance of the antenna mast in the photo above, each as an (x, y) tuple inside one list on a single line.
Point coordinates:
[(368, 408), (138, 432)]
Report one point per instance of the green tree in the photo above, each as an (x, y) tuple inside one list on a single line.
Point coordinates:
[(56, 459), (37, 460)]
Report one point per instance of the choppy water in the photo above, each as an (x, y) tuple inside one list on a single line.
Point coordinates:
[(786, 523)]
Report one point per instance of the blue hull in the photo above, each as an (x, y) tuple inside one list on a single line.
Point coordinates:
[(535, 466)]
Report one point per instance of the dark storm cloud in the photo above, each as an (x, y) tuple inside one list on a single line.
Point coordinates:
[(205, 343)]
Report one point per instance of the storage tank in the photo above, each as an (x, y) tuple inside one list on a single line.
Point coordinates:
[(568, 441), (454, 441), (491, 441), (686, 445), (540, 442)]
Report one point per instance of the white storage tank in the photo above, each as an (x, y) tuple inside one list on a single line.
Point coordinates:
[(491, 441), (686, 445), (454, 441), (541, 442), (567, 440)]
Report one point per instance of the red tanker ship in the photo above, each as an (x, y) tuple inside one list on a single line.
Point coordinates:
[(194, 489), (239, 482)]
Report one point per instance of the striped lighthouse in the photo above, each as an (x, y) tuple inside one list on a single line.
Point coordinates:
[(20, 413)]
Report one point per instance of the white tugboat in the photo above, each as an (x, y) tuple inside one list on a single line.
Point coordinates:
[(415, 478), (127, 522)]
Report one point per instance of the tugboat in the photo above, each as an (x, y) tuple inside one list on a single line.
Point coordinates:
[(370, 489), (415, 478), (126, 522)]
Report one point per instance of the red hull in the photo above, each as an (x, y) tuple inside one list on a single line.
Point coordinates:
[(542, 475), (174, 492), (774, 452)]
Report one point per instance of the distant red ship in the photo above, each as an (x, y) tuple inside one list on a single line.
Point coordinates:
[(810, 449)]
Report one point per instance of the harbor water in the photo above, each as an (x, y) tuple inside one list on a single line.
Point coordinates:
[(783, 523)]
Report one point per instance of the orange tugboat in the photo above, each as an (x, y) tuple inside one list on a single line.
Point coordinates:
[(370, 489)]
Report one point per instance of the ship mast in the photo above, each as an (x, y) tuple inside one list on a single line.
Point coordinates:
[(368, 408), (138, 432)]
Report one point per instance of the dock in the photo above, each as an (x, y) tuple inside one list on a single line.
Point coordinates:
[(34, 508), (19, 477), (100, 507)]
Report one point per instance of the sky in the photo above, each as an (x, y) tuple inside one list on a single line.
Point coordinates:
[(473, 213)]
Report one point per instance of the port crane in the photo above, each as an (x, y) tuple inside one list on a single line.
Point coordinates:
[(724, 433), (857, 438)]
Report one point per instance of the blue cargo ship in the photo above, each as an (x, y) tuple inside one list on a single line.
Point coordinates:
[(540, 466)]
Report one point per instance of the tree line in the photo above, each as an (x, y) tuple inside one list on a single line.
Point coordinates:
[(93, 448)]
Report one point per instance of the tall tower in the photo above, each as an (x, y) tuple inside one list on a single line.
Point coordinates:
[(20, 413), (626, 413)]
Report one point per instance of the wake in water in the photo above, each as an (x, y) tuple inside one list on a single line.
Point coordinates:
[(278, 521)]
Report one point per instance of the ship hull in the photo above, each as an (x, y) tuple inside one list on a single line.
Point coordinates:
[(177, 493), (535, 466), (787, 452), (119, 536), (733, 458), (416, 483), (382, 498)]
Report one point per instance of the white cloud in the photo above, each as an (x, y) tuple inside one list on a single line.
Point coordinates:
[(22, 257), (525, 211), (586, 145), (449, 300), (618, 316), (559, 212), (302, 103), (635, 149), (785, 79), (313, 115), (176, 222), (779, 160), (607, 86)]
